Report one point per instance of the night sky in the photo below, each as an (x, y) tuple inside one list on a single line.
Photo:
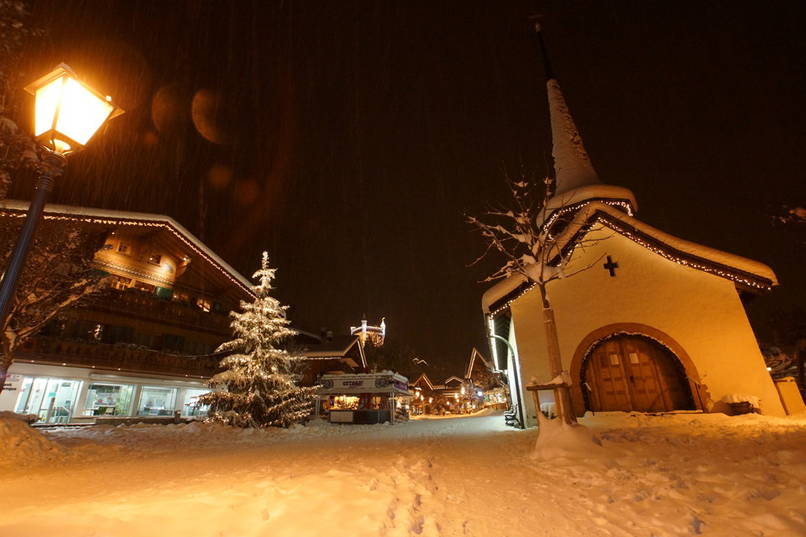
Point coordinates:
[(350, 138)]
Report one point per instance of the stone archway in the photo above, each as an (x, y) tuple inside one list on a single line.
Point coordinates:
[(629, 366)]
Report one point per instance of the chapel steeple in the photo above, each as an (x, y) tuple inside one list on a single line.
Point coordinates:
[(576, 180), (572, 165)]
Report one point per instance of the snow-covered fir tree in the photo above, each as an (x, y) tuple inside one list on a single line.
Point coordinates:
[(258, 386)]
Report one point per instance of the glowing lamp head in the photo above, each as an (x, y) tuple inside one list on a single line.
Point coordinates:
[(68, 112)]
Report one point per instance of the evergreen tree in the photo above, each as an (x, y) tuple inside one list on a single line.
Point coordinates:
[(259, 377)]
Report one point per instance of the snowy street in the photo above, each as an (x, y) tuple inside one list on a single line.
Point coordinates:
[(675, 475)]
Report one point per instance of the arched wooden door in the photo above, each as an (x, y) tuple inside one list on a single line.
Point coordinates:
[(628, 372)]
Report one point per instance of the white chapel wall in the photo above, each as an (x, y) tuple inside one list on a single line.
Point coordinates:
[(700, 311)]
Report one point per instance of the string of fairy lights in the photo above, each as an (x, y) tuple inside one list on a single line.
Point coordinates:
[(687, 261), (622, 204), (666, 252), (139, 274), (138, 223)]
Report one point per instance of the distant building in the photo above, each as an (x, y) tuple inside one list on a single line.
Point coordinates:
[(480, 386), (486, 382), (331, 355), (142, 348)]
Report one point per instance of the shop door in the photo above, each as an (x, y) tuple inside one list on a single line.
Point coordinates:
[(632, 373)]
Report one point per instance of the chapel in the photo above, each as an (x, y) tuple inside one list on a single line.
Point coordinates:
[(657, 323)]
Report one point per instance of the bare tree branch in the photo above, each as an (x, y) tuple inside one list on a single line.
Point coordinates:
[(58, 274)]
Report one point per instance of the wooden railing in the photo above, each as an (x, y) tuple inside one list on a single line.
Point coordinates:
[(118, 357), (149, 306)]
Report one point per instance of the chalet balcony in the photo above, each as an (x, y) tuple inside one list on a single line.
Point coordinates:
[(118, 357), (136, 303)]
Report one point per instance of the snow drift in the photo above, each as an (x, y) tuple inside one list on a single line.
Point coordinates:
[(21, 445)]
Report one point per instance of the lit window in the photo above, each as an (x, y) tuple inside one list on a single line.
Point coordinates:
[(204, 304), (147, 287), (121, 283)]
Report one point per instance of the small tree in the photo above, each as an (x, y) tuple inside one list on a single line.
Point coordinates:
[(534, 250), (259, 380), (57, 275)]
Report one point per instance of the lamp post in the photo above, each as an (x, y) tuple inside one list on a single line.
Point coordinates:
[(493, 335), (67, 114)]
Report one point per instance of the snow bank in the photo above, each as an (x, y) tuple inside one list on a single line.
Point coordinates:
[(27, 418), (741, 398), (21, 445), (670, 475), (147, 439), (556, 439)]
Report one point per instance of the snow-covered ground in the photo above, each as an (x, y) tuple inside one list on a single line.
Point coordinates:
[(683, 474)]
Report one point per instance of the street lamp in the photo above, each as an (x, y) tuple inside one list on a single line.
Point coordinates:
[(67, 114)]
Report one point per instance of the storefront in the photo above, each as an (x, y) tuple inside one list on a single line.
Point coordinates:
[(78, 395), (363, 398)]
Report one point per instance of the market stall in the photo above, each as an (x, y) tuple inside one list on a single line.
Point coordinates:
[(363, 398)]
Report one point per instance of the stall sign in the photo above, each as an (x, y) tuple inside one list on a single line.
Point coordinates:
[(402, 386), (357, 385)]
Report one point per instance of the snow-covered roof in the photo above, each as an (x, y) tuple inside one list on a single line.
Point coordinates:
[(572, 166), (125, 218), (424, 378), (336, 348), (472, 361), (501, 290), (355, 383), (598, 192), (744, 272)]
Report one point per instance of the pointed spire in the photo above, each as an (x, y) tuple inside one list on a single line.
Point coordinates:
[(572, 166)]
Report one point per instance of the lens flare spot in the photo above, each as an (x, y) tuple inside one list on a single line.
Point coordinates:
[(219, 176), (208, 111), (169, 108), (150, 138), (246, 192)]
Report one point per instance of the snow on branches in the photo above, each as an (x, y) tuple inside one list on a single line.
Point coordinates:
[(539, 249), (529, 248), (58, 274), (259, 378)]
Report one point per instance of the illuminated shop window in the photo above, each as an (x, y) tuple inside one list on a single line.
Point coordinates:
[(52, 400), (108, 400), (156, 401), (190, 404)]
